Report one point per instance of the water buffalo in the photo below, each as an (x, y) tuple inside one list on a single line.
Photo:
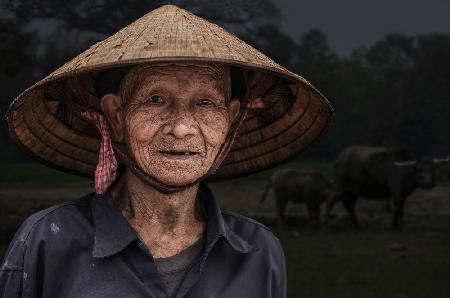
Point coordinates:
[(379, 173), (298, 187)]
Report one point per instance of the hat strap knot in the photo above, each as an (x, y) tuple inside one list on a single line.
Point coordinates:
[(106, 171)]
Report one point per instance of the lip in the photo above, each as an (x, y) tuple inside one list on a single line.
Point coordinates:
[(180, 155)]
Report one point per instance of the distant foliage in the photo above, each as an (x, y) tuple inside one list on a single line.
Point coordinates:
[(395, 92)]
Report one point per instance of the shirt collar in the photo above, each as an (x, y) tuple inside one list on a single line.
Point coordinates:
[(113, 233), (216, 225)]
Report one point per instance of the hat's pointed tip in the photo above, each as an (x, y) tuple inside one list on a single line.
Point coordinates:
[(166, 8), (169, 6)]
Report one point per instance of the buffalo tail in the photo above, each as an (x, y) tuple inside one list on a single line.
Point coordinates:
[(266, 190)]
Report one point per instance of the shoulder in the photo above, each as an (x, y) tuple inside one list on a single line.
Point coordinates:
[(49, 221), (37, 228), (252, 231), (236, 219), (51, 227), (270, 255), (43, 235)]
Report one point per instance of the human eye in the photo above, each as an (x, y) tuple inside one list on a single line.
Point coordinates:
[(206, 102), (155, 99)]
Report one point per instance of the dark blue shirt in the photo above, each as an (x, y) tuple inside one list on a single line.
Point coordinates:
[(87, 248)]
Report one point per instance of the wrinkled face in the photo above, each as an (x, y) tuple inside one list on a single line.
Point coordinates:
[(174, 118)]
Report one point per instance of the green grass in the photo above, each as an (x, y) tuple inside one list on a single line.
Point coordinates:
[(349, 263), (36, 175)]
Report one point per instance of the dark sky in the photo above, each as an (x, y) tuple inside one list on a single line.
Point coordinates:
[(350, 23)]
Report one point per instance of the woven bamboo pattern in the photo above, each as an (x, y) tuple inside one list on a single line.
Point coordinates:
[(61, 138)]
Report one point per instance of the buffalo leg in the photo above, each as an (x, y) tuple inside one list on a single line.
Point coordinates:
[(336, 196), (281, 206), (330, 204), (349, 204), (397, 221), (313, 212)]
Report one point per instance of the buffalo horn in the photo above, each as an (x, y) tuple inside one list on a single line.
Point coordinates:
[(405, 163), (441, 160)]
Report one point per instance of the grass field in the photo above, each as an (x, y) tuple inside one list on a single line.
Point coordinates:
[(322, 262), (375, 262)]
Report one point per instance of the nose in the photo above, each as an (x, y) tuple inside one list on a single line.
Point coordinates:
[(180, 128)]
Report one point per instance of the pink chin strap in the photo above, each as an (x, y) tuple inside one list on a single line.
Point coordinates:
[(106, 170)]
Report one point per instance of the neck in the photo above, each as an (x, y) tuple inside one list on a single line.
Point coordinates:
[(167, 223)]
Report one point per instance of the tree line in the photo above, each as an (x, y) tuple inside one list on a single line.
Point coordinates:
[(395, 92)]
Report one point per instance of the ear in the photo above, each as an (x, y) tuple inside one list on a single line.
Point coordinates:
[(111, 105), (234, 108)]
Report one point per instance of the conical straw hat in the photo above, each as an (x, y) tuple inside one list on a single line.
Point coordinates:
[(59, 137)]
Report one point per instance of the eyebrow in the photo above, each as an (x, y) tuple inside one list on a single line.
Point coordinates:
[(149, 79)]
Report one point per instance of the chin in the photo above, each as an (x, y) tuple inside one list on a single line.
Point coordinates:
[(178, 179), (175, 170), (177, 175)]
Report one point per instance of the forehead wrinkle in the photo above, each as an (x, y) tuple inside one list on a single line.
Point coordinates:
[(136, 77), (153, 76), (152, 80)]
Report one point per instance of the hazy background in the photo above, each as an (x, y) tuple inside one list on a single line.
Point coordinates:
[(384, 66), (352, 23)]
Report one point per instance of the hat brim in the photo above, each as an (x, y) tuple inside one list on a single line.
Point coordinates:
[(65, 141)]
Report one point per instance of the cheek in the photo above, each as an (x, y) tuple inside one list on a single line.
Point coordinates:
[(141, 127), (214, 131)]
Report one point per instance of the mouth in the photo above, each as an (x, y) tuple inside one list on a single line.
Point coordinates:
[(180, 155)]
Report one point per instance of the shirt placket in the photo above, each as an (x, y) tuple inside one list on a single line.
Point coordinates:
[(146, 267), (193, 274)]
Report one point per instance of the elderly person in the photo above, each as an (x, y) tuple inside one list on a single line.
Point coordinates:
[(152, 112)]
